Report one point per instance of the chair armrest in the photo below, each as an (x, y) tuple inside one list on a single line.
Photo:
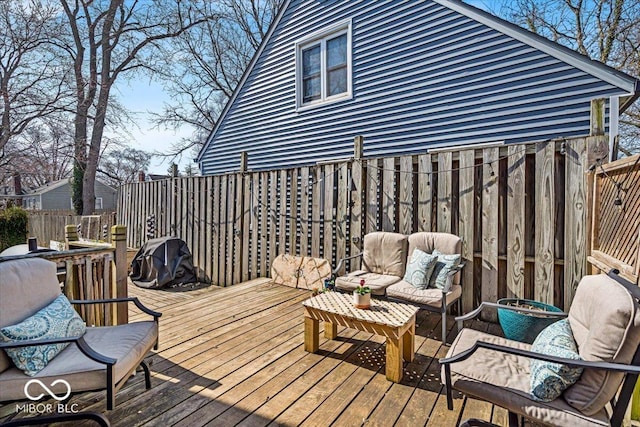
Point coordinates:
[(84, 347), (341, 262), (156, 315), (447, 361), (473, 314), (609, 366)]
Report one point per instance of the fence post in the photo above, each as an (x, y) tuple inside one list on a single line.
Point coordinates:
[(244, 159), (70, 235), (119, 278)]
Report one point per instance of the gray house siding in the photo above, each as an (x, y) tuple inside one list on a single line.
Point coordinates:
[(108, 196), (423, 75), (58, 197)]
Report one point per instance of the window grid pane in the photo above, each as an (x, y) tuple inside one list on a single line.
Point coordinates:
[(325, 67), (337, 51)]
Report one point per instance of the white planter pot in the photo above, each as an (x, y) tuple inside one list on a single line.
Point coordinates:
[(361, 301)]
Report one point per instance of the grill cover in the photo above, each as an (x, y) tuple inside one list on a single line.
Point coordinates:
[(162, 263)]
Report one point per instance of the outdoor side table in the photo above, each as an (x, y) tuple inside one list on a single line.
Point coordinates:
[(395, 321)]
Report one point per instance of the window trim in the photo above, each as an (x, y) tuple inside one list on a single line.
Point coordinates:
[(321, 37)]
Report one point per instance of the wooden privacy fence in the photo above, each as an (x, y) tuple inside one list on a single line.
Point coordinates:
[(520, 210), (47, 226)]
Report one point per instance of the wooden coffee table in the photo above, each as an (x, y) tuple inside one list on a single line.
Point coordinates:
[(395, 321)]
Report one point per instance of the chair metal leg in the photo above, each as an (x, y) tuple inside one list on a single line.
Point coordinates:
[(444, 327), (147, 375)]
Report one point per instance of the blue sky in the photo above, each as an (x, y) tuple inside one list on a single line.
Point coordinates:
[(142, 97)]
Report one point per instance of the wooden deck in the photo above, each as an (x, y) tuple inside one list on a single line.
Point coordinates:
[(235, 356)]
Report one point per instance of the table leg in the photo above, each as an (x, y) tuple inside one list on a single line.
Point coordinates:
[(394, 360), (330, 330), (311, 331), (408, 344)]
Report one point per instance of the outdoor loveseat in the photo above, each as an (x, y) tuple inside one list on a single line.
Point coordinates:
[(600, 336), (386, 260), (100, 358)]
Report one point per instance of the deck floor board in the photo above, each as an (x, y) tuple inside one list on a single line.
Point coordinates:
[(235, 356)]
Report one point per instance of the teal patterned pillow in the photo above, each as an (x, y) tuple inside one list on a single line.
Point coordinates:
[(444, 265), (419, 269), (549, 380), (57, 320)]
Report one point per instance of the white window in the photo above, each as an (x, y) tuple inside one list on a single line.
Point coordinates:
[(98, 203), (323, 71)]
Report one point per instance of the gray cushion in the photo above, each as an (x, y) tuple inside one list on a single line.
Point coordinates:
[(384, 253), (420, 268), (445, 265), (548, 379), (32, 282), (606, 327), (430, 296), (503, 379), (127, 343), (429, 241), (378, 283)]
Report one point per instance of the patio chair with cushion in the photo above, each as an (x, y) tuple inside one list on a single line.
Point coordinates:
[(42, 338), (447, 289), (571, 373), (422, 269), (384, 257)]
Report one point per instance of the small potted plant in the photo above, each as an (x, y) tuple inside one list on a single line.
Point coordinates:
[(362, 296)]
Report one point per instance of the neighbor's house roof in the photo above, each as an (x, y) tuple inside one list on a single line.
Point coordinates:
[(56, 184), (595, 68)]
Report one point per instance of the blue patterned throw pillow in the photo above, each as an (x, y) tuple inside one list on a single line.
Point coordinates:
[(57, 320), (445, 264), (549, 380), (419, 269)]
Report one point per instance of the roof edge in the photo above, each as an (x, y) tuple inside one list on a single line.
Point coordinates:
[(243, 79), (563, 53)]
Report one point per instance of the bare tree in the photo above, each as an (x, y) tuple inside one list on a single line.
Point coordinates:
[(41, 154), (215, 57), (107, 40), (121, 165), (31, 75), (605, 30)]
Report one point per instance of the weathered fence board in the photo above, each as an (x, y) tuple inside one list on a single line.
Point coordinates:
[(544, 222), (503, 201), (425, 185), (516, 169), (47, 226), (444, 192), (490, 221), (466, 225)]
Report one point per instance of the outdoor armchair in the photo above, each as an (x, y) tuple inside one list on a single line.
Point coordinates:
[(604, 320), (102, 358), (383, 261), (434, 300)]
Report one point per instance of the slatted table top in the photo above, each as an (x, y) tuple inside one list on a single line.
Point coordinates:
[(381, 312)]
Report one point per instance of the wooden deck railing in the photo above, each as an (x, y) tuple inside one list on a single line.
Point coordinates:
[(520, 209), (89, 271)]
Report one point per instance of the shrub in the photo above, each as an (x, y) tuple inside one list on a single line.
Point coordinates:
[(13, 227)]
